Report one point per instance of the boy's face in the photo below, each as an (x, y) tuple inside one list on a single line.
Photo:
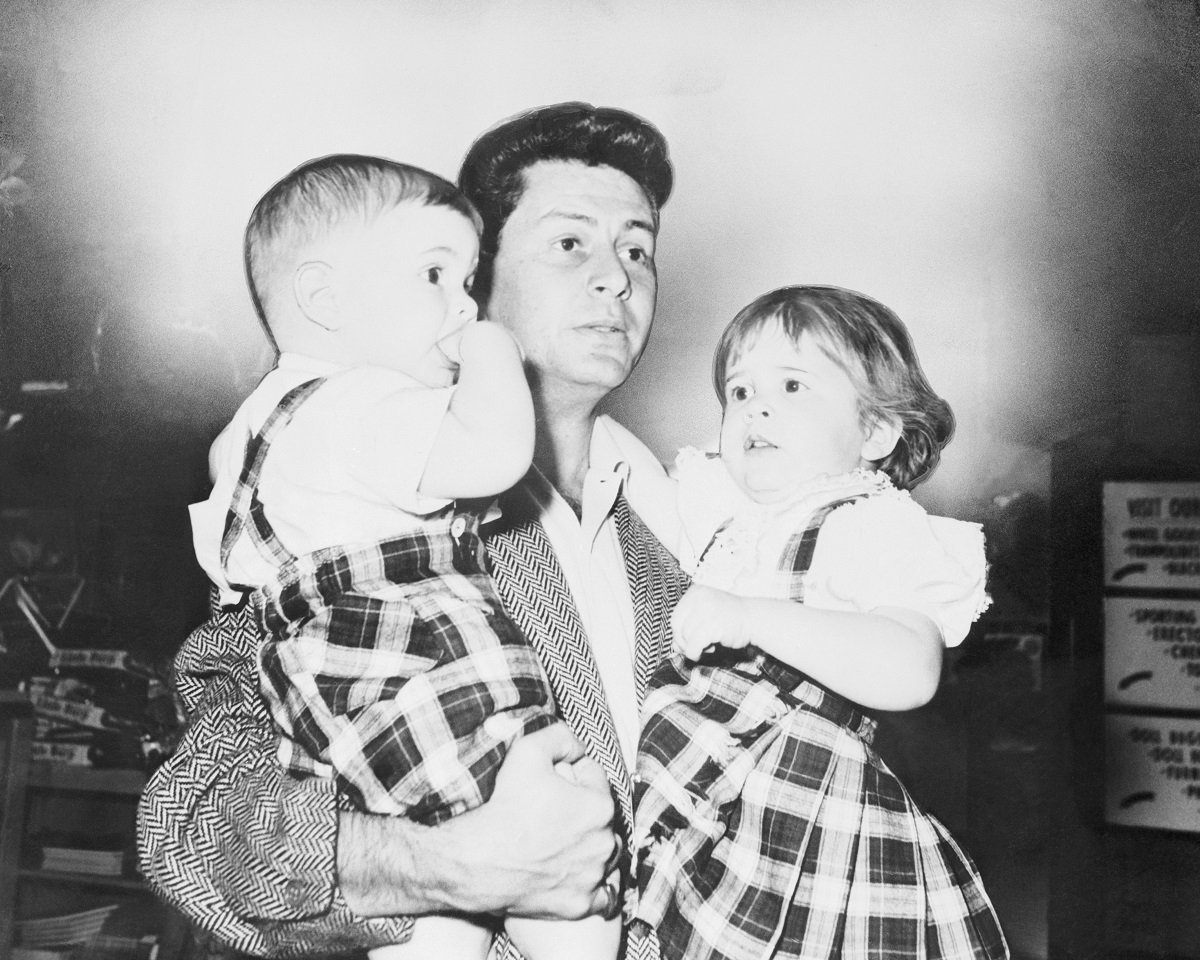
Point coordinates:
[(402, 282)]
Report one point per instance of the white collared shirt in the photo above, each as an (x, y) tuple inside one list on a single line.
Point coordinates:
[(589, 553)]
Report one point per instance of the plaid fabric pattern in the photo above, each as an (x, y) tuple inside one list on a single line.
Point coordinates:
[(768, 826), (247, 852), (408, 702)]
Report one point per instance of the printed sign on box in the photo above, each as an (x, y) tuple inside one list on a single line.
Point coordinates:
[(1152, 776), (1152, 536), (1152, 653)]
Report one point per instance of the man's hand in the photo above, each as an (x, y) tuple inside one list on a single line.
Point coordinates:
[(707, 617), (538, 848)]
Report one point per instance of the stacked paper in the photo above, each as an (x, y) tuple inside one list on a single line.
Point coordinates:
[(62, 930)]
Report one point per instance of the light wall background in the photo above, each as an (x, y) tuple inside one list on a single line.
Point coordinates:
[(1017, 178)]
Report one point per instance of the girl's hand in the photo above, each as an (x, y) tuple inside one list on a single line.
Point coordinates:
[(707, 617)]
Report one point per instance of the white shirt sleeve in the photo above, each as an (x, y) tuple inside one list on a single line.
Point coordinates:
[(887, 551), (373, 430)]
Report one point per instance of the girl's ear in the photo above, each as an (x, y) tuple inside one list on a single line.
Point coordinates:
[(314, 290), (880, 440)]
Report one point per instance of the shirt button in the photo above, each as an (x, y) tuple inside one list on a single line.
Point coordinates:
[(294, 890), (457, 527)]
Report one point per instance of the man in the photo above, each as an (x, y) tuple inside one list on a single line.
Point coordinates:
[(570, 196)]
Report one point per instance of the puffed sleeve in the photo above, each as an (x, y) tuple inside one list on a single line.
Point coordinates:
[(886, 551)]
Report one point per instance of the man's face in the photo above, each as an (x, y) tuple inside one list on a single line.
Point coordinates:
[(574, 277)]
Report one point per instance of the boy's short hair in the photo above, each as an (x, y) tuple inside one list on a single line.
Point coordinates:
[(872, 345), (321, 194), (492, 174)]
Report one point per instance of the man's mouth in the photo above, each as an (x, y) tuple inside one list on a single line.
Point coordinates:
[(610, 328)]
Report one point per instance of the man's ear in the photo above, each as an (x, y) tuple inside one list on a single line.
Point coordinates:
[(313, 288), (881, 440)]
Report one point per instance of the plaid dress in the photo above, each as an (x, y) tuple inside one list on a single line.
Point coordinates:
[(767, 826), (407, 700)]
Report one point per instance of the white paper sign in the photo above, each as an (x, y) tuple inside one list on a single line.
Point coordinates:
[(1152, 653), (1152, 535), (1152, 772)]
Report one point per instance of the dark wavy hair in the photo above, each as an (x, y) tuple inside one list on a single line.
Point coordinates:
[(321, 194), (872, 345), (493, 171)]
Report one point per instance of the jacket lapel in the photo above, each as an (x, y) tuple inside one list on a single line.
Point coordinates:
[(655, 584), (535, 594)]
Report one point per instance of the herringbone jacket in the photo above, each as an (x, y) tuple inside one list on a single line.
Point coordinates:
[(248, 854)]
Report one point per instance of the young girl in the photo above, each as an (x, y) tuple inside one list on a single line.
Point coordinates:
[(767, 826)]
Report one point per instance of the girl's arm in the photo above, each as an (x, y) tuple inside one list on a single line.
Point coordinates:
[(888, 659), (485, 443)]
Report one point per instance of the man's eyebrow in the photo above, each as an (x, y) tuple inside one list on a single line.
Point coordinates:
[(557, 213), (560, 214)]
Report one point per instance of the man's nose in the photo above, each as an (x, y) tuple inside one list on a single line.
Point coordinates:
[(610, 276)]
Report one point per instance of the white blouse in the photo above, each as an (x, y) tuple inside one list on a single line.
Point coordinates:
[(880, 551)]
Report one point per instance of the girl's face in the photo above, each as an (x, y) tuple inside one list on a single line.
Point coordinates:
[(791, 415)]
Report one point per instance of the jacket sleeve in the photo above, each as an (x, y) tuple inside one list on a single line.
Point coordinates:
[(243, 850)]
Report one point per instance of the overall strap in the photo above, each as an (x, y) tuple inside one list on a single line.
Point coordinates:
[(798, 552), (795, 560), (246, 514)]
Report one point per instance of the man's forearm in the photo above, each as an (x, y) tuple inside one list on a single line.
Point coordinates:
[(244, 851), (376, 864)]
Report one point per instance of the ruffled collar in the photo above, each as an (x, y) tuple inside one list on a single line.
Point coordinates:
[(751, 529), (819, 491)]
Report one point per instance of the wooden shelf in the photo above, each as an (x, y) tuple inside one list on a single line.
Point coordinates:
[(82, 879), (36, 795), (44, 775)]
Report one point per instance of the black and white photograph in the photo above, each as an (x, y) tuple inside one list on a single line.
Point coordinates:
[(599, 480)]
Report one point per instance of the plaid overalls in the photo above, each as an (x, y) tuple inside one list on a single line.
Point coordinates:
[(767, 825), (408, 702)]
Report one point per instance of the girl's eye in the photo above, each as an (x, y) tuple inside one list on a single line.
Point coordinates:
[(792, 385), (433, 274), (739, 393)]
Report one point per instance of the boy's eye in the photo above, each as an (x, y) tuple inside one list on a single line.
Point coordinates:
[(739, 393), (792, 385), (433, 274)]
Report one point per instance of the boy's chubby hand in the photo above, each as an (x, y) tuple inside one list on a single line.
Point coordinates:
[(482, 342), (708, 617)]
